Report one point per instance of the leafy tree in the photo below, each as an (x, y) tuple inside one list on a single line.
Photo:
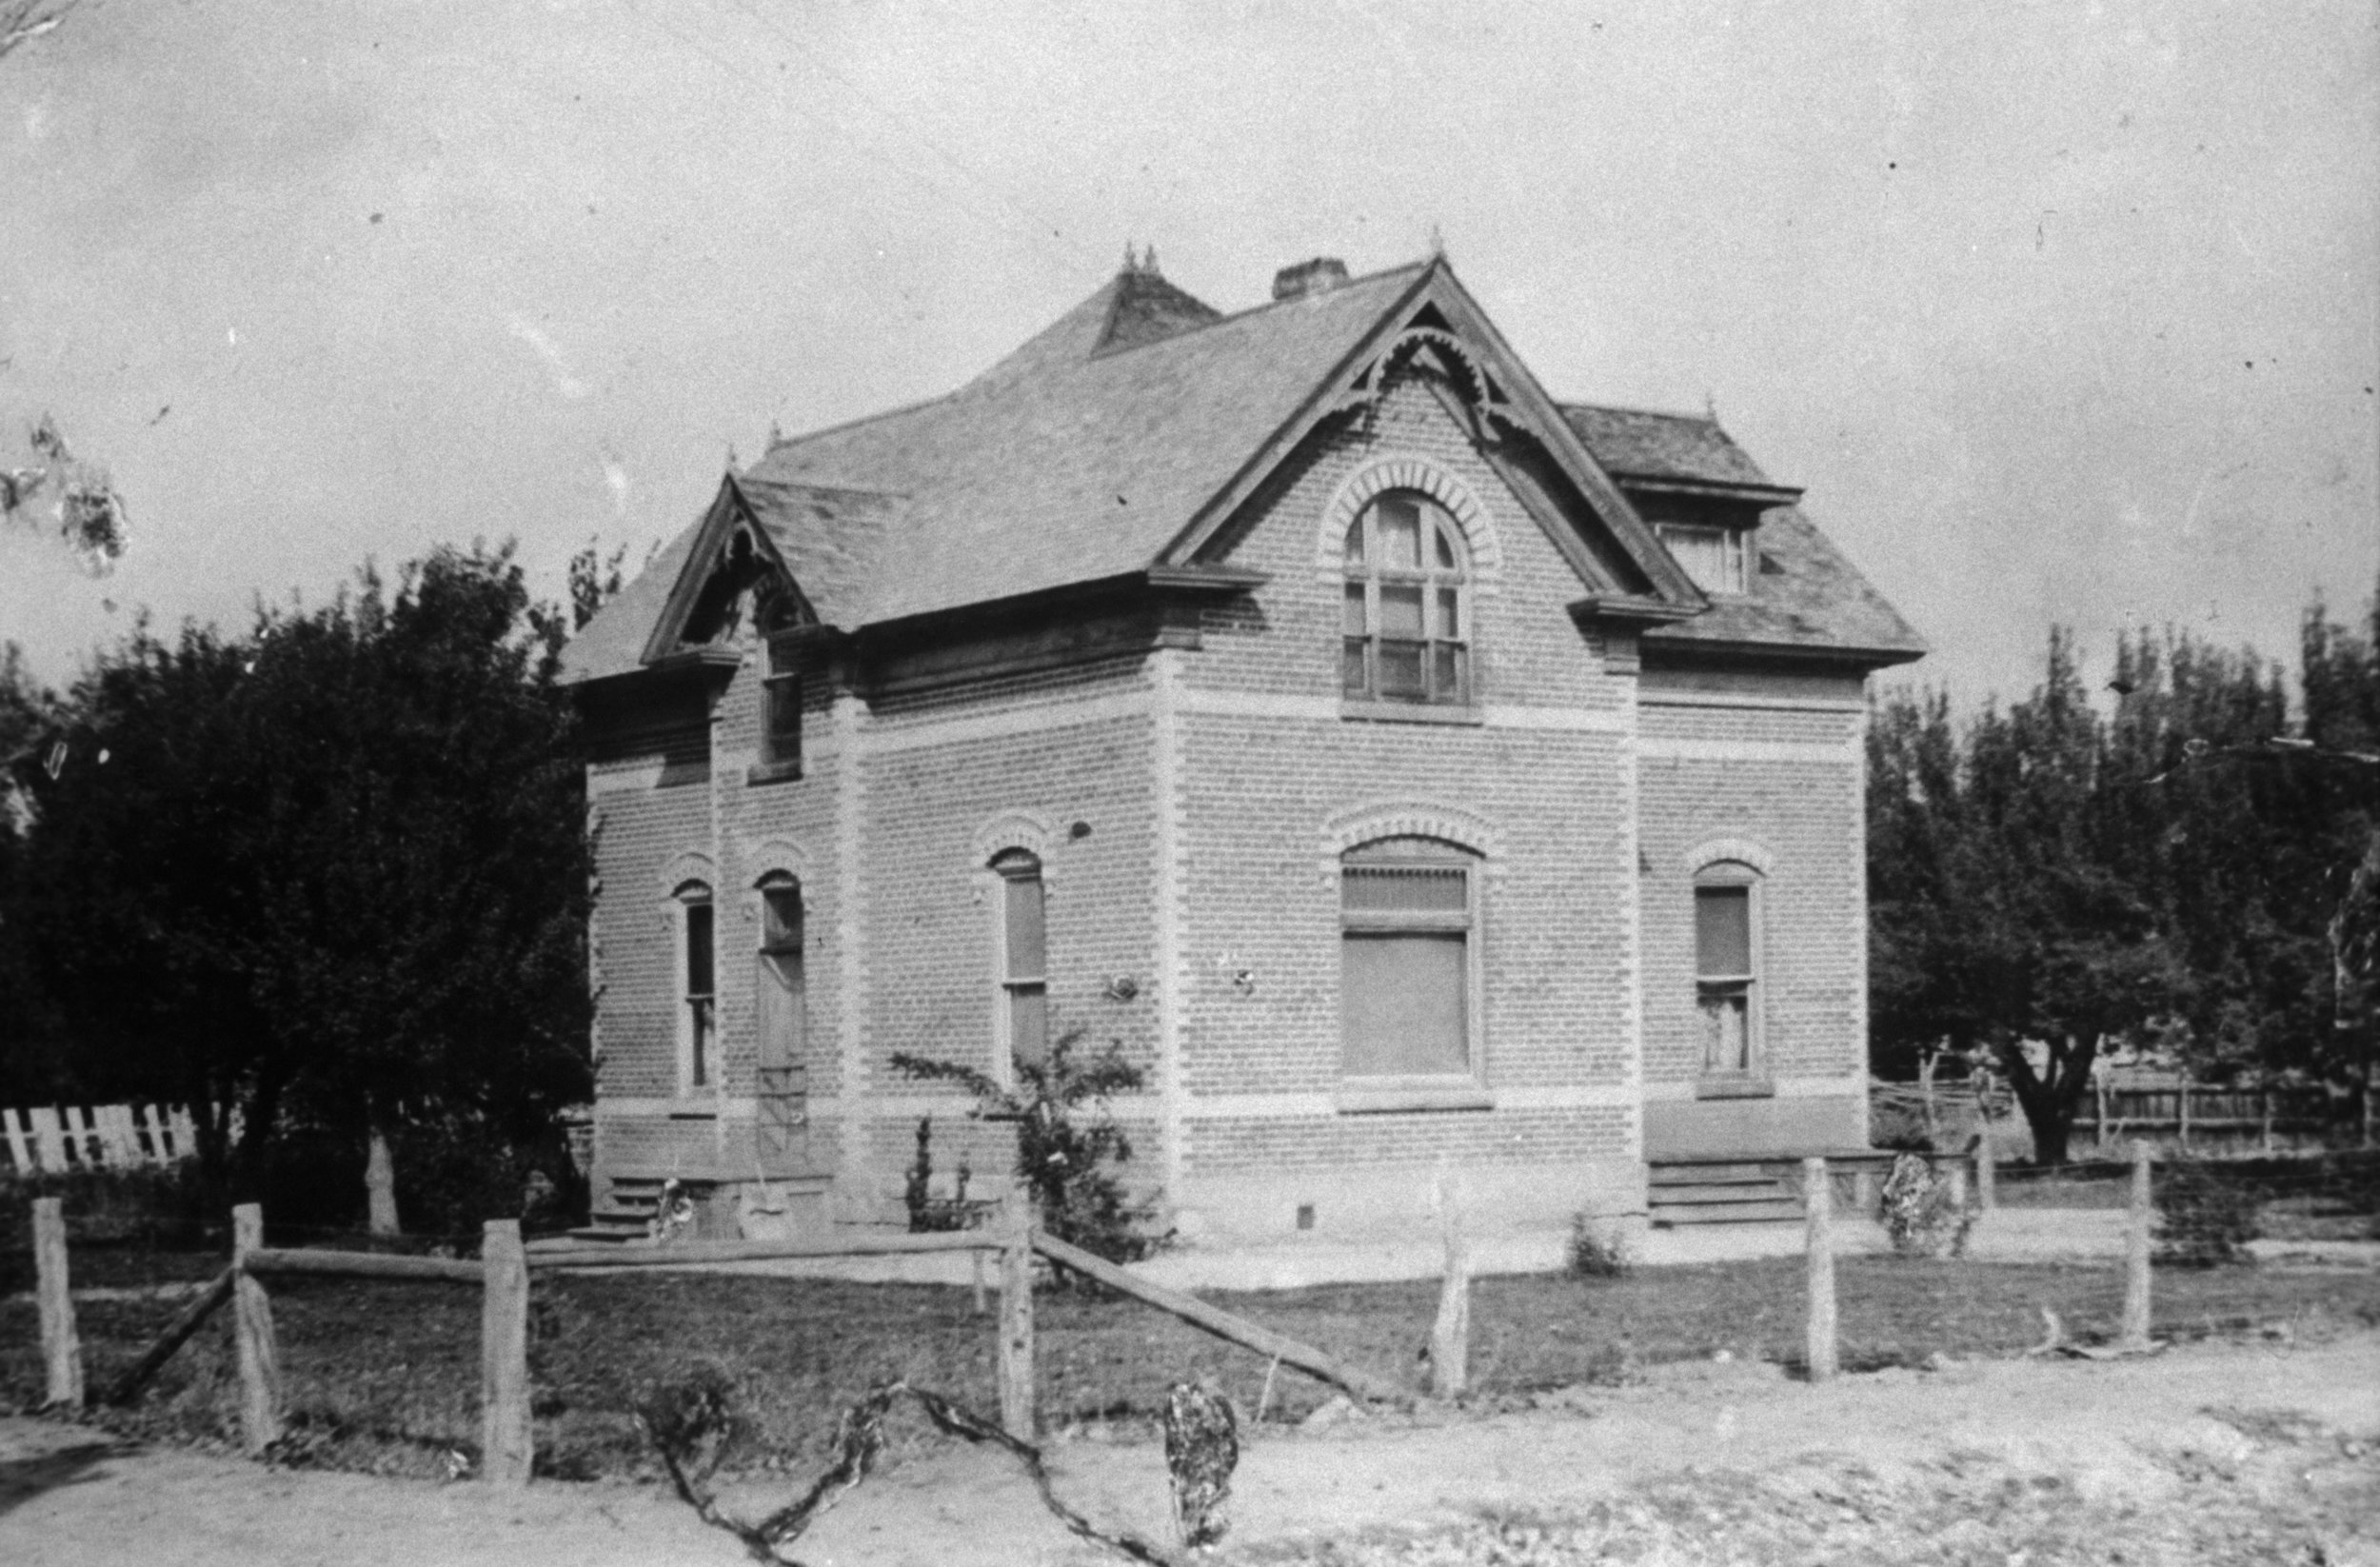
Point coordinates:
[(332, 873), (29, 1070), (2048, 879)]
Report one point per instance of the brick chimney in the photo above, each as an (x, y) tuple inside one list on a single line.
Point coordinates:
[(1319, 276)]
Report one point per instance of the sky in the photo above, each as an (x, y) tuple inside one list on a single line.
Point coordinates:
[(2063, 314)]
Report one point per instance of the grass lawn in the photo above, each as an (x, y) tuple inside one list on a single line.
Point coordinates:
[(384, 1376)]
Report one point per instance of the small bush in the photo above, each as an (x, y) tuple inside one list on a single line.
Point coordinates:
[(1068, 1145), (1598, 1251), (1921, 1215), (2206, 1216), (1898, 1128)]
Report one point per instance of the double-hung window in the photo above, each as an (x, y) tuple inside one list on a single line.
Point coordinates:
[(1406, 960), (697, 1003), (1717, 559), (1024, 960), (1407, 621), (780, 715), (1727, 970)]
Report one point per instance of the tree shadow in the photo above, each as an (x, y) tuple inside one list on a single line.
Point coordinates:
[(22, 1480)]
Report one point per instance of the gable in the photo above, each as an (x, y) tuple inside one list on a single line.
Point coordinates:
[(732, 583), (1439, 336)]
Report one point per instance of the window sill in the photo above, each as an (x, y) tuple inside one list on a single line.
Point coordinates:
[(1408, 712), (1383, 1096), (694, 1114), (1735, 1085), (772, 772)]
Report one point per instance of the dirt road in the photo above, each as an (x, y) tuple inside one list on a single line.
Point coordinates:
[(2261, 1452)]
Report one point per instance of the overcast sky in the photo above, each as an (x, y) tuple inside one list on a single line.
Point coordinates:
[(2061, 312)]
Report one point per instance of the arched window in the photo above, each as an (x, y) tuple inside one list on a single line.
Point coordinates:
[(1408, 611), (1024, 960), (698, 987), (1408, 958), (1727, 967)]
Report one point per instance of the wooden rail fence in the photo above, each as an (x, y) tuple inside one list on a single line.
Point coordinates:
[(502, 1272)]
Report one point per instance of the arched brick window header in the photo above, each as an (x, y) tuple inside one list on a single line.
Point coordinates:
[(780, 860), (1448, 823), (1027, 831), (1400, 471), (1721, 851), (687, 865)]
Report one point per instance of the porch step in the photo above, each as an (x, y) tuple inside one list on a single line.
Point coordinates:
[(1719, 1192)]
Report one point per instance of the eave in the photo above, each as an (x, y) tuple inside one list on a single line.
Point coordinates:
[(1763, 495)]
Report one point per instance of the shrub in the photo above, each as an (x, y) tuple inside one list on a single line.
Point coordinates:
[(2206, 1216), (1598, 1251), (1067, 1144), (1899, 1128), (1921, 1214)]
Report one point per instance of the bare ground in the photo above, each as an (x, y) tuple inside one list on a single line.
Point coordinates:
[(2243, 1452)]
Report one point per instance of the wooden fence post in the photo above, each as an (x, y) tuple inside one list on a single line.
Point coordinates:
[(505, 1443), (1955, 1174), (61, 1348), (2136, 1329), (1817, 1198), (251, 1321), (1450, 1338), (1987, 1173), (1016, 1315), (2182, 1113), (2099, 1094)]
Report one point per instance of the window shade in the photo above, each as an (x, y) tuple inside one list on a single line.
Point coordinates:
[(1722, 932)]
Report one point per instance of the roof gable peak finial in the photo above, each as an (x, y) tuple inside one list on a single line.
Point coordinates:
[(1132, 260), (1438, 243)]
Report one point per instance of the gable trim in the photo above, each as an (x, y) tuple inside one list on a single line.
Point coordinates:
[(730, 511), (1504, 393)]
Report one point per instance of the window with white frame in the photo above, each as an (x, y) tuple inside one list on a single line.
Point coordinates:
[(1408, 960), (1727, 967), (698, 987), (1714, 558), (1024, 959), (1407, 621)]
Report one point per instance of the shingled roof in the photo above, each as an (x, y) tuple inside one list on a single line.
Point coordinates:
[(1081, 454), (1804, 593), (1639, 444), (1086, 453)]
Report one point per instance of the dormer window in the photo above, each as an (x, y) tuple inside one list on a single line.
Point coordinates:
[(1714, 558), (1408, 616)]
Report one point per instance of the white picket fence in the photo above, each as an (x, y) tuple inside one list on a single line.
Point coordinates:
[(83, 1135)]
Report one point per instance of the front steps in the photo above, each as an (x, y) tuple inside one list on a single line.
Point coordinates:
[(1688, 1192)]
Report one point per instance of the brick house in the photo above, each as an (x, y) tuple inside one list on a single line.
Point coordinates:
[(1402, 767)]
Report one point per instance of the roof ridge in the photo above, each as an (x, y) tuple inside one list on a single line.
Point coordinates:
[(754, 477), (1225, 320), (1630, 408), (823, 430)]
